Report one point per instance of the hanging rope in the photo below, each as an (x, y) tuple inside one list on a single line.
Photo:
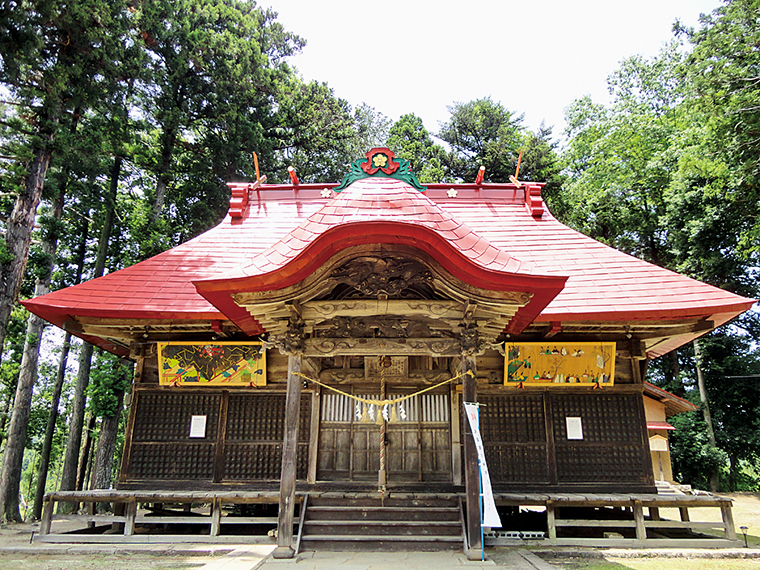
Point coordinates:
[(383, 427), (385, 402)]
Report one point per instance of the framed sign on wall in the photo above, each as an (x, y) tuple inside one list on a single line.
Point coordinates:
[(562, 363), (212, 364)]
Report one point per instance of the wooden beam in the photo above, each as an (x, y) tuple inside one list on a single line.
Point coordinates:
[(728, 520), (328, 347), (471, 470), (289, 461), (638, 515), (314, 435)]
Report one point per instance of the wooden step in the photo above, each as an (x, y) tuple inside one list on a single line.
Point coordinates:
[(387, 503), (373, 538), (385, 528), (380, 513), (370, 523)]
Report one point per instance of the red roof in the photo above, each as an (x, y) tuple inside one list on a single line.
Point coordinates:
[(382, 211), (659, 425), (488, 232)]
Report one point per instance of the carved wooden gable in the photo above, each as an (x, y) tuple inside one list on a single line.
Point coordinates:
[(384, 294)]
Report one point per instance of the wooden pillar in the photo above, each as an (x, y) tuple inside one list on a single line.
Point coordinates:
[(130, 514), (471, 472), (316, 400), (638, 515), (216, 517), (551, 521), (47, 515), (456, 438), (289, 449), (728, 520)]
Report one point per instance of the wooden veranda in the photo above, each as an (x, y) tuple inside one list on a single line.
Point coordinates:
[(622, 520)]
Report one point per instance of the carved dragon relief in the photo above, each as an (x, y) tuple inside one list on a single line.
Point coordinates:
[(382, 326), (325, 347), (382, 277)]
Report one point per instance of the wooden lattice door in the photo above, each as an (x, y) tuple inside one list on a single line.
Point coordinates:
[(418, 444)]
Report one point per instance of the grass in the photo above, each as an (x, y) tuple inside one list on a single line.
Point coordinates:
[(659, 564)]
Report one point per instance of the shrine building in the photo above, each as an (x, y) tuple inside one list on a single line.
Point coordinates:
[(318, 344)]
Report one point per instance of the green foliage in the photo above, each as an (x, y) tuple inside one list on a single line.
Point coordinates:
[(621, 160), (668, 172), (723, 67), (313, 132), (482, 132), (409, 139), (693, 457), (109, 375)]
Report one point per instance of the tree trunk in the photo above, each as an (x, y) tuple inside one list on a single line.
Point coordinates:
[(74, 441), (85, 458), (73, 445), (102, 471), (14, 455), (675, 366), (163, 178), (733, 473), (714, 478), (19, 233), (47, 445), (13, 458)]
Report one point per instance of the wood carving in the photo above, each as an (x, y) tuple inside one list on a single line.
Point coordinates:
[(383, 277), (292, 341), (327, 347), (469, 339), (342, 376), (374, 327)]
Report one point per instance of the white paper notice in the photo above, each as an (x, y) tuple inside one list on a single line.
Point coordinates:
[(490, 515), (574, 428), (198, 426)]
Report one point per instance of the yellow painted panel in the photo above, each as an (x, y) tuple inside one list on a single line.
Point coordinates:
[(212, 364), (560, 364)]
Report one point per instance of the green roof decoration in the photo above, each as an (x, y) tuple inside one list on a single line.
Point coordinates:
[(380, 162)]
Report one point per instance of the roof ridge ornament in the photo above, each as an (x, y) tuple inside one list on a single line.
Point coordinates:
[(380, 162)]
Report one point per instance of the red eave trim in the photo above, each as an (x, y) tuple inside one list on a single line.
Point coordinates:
[(659, 425), (326, 245), (652, 390), (53, 313), (706, 310)]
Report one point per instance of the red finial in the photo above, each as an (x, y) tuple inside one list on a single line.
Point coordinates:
[(293, 177)]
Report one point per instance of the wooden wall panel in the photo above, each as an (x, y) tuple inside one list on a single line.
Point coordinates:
[(525, 438), (612, 449), (166, 416), (243, 442), (255, 427), (514, 435)]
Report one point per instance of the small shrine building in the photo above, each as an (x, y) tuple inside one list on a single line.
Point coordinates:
[(325, 336)]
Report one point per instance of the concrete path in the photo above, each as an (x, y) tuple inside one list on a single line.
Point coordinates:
[(250, 558)]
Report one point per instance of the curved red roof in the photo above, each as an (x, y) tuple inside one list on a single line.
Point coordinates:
[(382, 211), (602, 284)]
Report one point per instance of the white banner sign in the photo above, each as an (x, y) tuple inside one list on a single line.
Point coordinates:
[(490, 515)]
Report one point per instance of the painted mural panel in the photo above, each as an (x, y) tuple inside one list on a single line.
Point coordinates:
[(212, 364), (566, 364)]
